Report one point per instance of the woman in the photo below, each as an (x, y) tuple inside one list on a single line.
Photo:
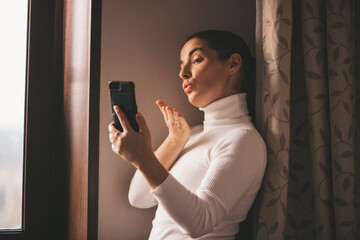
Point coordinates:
[(204, 180)]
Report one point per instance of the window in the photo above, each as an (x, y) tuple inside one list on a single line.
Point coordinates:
[(13, 49), (48, 209)]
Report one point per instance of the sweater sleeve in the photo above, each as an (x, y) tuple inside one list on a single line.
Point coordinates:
[(237, 165), (139, 192)]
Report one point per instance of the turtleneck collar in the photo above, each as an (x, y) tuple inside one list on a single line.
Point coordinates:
[(226, 111)]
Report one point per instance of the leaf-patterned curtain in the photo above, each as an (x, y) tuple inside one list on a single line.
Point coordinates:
[(310, 119)]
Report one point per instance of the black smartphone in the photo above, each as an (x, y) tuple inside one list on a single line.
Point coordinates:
[(122, 94)]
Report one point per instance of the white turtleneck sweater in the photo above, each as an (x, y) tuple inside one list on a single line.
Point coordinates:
[(213, 184)]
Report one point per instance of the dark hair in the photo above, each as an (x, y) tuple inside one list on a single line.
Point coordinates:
[(225, 44)]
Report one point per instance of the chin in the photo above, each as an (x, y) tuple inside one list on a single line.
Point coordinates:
[(196, 102), (192, 100)]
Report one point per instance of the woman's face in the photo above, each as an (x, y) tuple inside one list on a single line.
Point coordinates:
[(205, 78)]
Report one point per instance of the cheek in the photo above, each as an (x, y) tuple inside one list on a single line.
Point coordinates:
[(208, 80), (209, 76), (204, 76)]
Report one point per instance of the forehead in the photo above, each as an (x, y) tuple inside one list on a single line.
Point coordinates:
[(192, 44)]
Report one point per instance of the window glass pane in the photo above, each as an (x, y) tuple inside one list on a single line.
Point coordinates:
[(13, 46)]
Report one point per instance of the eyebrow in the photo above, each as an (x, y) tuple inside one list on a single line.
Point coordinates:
[(192, 52)]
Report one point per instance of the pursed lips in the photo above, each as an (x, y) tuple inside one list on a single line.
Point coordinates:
[(187, 87)]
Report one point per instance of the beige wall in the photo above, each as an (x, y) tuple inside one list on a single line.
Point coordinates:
[(141, 41)]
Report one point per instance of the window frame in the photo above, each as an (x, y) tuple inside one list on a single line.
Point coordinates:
[(46, 179), (37, 145)]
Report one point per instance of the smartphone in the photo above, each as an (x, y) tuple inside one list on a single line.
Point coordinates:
[(122, 94)]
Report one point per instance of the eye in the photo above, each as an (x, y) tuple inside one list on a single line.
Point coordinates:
[(198, 60)]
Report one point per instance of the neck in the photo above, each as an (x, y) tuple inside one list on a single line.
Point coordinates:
[(228, 110)]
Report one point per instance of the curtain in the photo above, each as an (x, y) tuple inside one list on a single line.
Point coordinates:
[(310, 119)]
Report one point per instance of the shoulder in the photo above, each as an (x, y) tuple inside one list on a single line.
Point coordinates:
[(242, 141), (243, 134)]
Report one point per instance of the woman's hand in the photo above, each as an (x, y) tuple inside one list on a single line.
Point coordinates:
[(179, 130), (134, 147)]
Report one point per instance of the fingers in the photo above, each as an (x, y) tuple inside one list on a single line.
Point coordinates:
[(142, 125), (111, 127), (161, 103), (162, 106), (171, 115), (114, 148), (176, 116), (113, 133), (123, 119), (182, 121)]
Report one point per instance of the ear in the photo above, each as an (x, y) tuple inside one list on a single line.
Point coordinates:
[(235, 63)]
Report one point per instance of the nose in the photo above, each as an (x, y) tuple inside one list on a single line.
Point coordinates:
[(185, 72)]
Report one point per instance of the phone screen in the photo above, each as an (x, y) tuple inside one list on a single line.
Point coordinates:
[(123, 95)]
